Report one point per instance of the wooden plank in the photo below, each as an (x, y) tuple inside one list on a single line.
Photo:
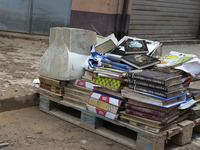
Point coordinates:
[(174, 131), (93, 122), (147, 142), (48, 93), (116, 137), (164, 4), (164, 9), (185, 136), (197, 125)]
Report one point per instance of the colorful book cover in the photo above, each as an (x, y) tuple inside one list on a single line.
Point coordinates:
[(101, 112), (107, 99), (174, 59), (103, 105), (85, 84), (112, 84)]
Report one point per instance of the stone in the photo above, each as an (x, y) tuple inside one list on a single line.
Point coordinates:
[(64, 58)]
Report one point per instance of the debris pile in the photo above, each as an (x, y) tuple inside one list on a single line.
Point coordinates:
[(126, 80)]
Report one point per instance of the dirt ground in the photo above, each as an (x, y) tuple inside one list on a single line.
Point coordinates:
[(31, 129), (19, 60)]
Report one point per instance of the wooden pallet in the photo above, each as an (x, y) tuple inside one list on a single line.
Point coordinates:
[(131, 136)]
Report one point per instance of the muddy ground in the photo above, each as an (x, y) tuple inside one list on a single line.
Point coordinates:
[(19, 60), (30, 128)]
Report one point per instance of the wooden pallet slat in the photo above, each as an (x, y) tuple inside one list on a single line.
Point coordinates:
[(185, 136), (135, 137)]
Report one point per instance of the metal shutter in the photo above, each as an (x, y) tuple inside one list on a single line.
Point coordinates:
[(165, 19)]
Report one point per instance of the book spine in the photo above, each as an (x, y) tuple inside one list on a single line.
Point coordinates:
[(144, 98), (101, 112), (117, 64), (103, 105), (145, 115), (49, 81), (77, 92), (115, 67), (76, 97), (134, 76), (51, 86), (145, 127), (52, 89), (145, 110), (107, 99), (151, 91), (148, 84)]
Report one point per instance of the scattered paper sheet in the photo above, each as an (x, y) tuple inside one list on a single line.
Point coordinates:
[(192, 67), (174, 59), (36, 81), (187, 104)]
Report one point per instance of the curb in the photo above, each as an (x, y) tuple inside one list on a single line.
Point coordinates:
[(19, 102), (24, 36)]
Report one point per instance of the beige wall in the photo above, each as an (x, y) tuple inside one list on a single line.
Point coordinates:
[(100, 6)]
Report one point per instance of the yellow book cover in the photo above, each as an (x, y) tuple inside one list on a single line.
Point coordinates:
[(110, 83), (103, 105)]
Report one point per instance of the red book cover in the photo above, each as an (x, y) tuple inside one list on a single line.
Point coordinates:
[(145, 110), (163, 120)]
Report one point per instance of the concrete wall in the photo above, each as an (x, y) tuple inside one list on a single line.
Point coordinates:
[(102, 16)]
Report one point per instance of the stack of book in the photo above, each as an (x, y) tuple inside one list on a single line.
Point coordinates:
[(78, 92), (153, 98), (154, 82), (51, 87), (144, 108), (105, 104), (105, 100)]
